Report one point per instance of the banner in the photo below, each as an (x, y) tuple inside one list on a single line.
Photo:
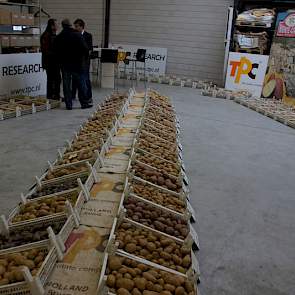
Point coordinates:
[(246, 72), (156, 59), (22, 74), (280, 79)]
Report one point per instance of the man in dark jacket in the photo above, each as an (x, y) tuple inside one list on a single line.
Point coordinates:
[(49, 60), (72, 52), (80, 27)]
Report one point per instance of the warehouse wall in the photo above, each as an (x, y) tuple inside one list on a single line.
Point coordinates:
[(91, 11), (192, 30)]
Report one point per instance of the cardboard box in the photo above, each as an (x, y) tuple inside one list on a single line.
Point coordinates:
[(36, 41), (16, 19), (5, 17), (23, 19), (30, 19), (5, 41), (13, 41), (28, 41)]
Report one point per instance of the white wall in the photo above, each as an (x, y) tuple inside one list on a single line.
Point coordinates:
[(91, 11), (192, 30)]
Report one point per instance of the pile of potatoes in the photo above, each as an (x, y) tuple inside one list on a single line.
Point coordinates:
[(164, 115), (74, 157), (162, 105), (167, 129), (160, 164), (157, 149), (155, 218), (44, 207), (10, 265), (156, 248), (60, 172), (160, 119), (57, 187), (82, 145), (32, 234), (159, 197), (129, 277), (158, 132), (160, 178)]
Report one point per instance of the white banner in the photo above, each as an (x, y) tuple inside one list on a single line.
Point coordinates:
[(246, 72), (22, 74), (156, 59)]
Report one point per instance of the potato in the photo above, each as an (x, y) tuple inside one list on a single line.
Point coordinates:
[(186, 261), (135, 291), (169, 287), (189, 287), (122, 291), (111, 281), (125, 283), (114, 263), (2, 270), (149, 277), (140, 283), (146, 292), (180, 291), (130, 247)]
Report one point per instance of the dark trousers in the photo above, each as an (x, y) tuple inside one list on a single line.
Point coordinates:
[(53, 82), (85, 77), (68, 77)]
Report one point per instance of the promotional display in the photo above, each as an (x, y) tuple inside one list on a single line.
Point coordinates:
[(22, 74), (246, 72), (156, 59), (280, 80)]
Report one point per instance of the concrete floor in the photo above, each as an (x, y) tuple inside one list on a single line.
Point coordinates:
[(241, 167)]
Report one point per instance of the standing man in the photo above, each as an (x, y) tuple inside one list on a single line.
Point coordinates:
[(80, 27), (49, 60), (72, 52)]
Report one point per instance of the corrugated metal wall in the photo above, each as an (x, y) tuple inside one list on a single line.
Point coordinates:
[(192, 30), (91, 11)]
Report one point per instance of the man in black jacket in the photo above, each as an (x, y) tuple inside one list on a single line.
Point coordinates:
[(80, 27), (72, 52), (49, 60)]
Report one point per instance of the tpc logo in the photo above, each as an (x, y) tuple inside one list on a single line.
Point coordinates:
[(243, 67)]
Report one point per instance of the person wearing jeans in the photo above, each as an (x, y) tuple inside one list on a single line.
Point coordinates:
[(72, 52)]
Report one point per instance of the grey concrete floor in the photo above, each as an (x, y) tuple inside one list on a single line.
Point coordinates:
[(241, 167)]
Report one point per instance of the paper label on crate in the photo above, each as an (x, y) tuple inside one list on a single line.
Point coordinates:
[(115, 166), (192, 211), (99, 213), (194, 235), (78, 272), (118, 153), (109, 188)]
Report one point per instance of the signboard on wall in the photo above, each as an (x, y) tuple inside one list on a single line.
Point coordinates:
[(156, 59), (22, 74), (280, 78), (246, 72)]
